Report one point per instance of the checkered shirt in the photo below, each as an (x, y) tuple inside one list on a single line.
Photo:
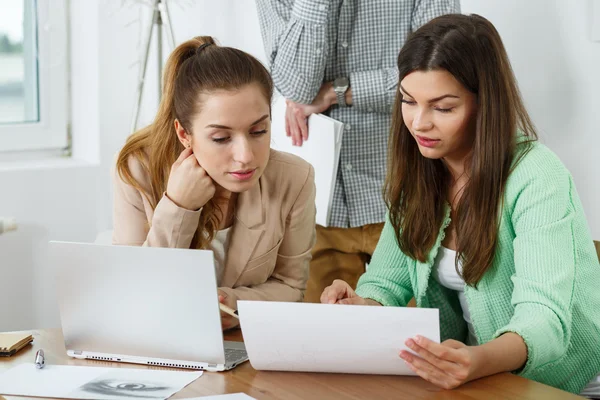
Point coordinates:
[(309, 42)]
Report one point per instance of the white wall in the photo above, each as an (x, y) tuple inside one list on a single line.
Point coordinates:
[(557, 65), (547, 41), (66, 200)]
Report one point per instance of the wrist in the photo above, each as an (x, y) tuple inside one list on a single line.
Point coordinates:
[(341, 86), (371, 302), (181, 205), (349, 97), (330, 95), (478, 365)]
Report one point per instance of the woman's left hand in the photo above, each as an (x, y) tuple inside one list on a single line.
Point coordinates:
[(448, 364), (227, 321)]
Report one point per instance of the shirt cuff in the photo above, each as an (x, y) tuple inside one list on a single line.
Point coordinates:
[(178, 224), (378, 294), (374, 91)]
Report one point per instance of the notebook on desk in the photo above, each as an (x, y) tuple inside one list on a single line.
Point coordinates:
[(10, 343), (322, 150)]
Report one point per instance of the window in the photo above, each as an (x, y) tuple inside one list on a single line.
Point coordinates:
[(33, 75)]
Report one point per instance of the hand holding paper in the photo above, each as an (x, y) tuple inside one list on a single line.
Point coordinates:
[(322, 151)]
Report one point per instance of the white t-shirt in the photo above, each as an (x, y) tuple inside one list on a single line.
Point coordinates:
[(219, 246), (445, 273)]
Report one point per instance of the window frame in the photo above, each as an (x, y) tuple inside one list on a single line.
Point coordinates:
[(51, 131)]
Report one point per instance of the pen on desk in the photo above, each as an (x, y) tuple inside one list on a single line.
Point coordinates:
[(39, 359), (229, 310)]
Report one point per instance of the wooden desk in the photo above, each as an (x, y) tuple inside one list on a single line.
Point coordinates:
[(313, 386)]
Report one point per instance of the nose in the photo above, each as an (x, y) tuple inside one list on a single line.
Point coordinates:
[(242, 152), (422, 121)]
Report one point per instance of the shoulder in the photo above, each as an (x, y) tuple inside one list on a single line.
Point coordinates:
[(136, 166), (536, 171), (288, 178), (288, 167), (536, 162)]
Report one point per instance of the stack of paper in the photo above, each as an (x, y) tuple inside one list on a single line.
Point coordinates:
[(322, 150)]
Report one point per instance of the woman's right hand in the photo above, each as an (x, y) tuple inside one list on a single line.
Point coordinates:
[(189, 185), (341, 293)]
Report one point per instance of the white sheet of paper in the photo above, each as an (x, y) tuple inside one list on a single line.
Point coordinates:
[(233, 396), (74, 382), (322, 150), (332, 338)]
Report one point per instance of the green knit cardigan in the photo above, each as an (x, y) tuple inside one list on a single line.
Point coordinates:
[(544, 282)]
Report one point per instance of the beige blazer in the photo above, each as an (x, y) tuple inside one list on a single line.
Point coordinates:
[(272, 235)]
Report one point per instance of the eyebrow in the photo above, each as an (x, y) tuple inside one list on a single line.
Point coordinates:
[(226, 127), (435, 99)]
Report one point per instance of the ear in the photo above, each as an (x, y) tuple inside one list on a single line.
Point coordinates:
[(182, 135)]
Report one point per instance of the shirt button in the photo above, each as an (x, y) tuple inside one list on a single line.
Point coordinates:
[(318, 51), (370, 109), (344, 44), (349, 167), (322, 7), (347, 127)]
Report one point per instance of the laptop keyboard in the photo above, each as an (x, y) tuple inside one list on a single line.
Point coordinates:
[(235, 355)]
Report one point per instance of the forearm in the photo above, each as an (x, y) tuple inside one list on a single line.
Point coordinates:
[(172, 226), (271, 290), (295, 39), (504, 354)]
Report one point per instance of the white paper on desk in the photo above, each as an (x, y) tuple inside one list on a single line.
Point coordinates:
[(234, 396), (322, 150), (332, 338), (73, 382)]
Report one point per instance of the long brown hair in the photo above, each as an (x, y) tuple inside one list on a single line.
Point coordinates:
[(198, 66), (416, 189)]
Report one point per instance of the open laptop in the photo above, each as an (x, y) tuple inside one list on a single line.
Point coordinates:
[(142, 305)]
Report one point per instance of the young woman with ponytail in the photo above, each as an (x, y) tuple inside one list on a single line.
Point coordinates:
[(203, 176)]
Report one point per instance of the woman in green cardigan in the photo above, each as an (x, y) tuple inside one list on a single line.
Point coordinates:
[(484, 223)]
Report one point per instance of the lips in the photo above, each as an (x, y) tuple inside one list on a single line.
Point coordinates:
[(427, 142), (243, 175)]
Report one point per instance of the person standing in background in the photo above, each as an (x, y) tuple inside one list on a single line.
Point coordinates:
[(340, 56)]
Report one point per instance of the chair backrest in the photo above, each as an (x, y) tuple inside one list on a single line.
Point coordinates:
[(597, 244)]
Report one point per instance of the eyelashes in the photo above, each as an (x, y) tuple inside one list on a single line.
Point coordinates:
[(442, 110), (225, 139)]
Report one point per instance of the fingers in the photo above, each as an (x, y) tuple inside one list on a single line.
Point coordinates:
[(228, 322), (439, 350), (352, 301), (337, 291), (455, 344), (184, 154), (288, 111), (292, 122), (430, 372), (295, 130), (302, 124), (458, 371)]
